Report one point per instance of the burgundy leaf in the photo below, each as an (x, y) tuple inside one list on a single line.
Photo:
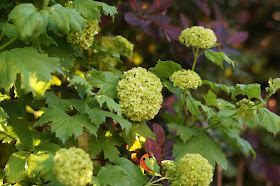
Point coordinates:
[(217, 12), (133, 4), (271, 173), (167, 148), (184, 20), (167, 36), (148, 28), (203, 6), (160, 134), (158, 18), (220, 30), (153, 147), (174, 34), (161, 4), (132, 19), (238, 37)]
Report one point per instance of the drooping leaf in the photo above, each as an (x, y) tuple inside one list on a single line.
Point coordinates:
[(153, 148), (63, 125), (113, 175), (106, 81), (29, 22), (218, 58), (65, 20), (98, 117), (171, 87), (15, 167), (160, 134), (106, 9), (184, 132), (87, 8), (269, 120), (250, 90), (8, 135), (192, 106), (41, 165), (216, 87), (164, 69), (138, 128), (136, 176), (204, 146), (242, 143), (111, 104), (105, 143), (34, 67)]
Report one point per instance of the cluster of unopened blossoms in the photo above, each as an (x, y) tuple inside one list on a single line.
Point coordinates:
[(123, 46), (139, 94), (192, 169), (73, 166), (186, 79), (198, 37), (246, 109), (85, 40)]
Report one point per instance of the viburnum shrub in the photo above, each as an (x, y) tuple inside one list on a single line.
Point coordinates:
[(75, 118)]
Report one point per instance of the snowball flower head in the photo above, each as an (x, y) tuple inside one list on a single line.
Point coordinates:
[(123, 46), (73, 166), (84, 41), (194, 169), (139, 94), (198, 36), (246, 109), (186, 79)]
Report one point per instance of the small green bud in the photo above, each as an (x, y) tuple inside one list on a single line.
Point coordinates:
[(198, 36), (73, 166), (84, 41), (139, 94), (186, 79), (123, 46), (246, 109)]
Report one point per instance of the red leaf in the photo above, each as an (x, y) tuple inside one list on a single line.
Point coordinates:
[(133, 4), (132, 19), (148, 28), (161, 4), (167, 148), (238, 37), (143, 163), (184, 20), (203, 6), (160, 134), (153, 147)]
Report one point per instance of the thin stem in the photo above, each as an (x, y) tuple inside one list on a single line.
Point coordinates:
[(2, 35), (8, 43), (181, 105), (196, 55), (85, 103), (163, 178), (45, 3)]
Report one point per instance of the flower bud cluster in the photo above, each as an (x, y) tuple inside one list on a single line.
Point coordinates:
[(192, 169), (85, 40), (198, 36), (139, 94), (186, 79), (123, 46), (73, 166), (69, 4), (246, 109)]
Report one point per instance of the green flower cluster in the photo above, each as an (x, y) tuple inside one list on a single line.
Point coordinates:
[(123, 46), (186, 79), (69, 4), (139, 94), (192, 169), (246, 109), (84, 41), (198, 36), (73, 166)]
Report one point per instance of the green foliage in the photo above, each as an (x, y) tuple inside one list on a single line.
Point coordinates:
[(251, 90), (269, 120), (204, 146), (87, 9), (164, 69), (218, 58), (112, 175), (185, 133), (34, 67)]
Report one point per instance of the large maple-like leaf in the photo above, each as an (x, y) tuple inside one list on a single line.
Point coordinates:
[(35, 69)]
